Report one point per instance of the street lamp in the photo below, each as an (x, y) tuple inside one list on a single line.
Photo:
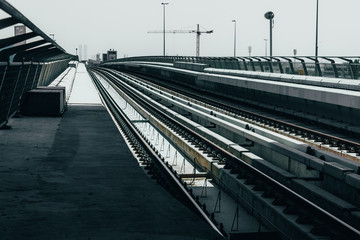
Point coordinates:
[(270, 16), (234, 21), (164, 25), (317, 29)]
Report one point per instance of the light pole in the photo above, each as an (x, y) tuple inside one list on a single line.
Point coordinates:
[(76, 51), (317, 29), (234, 21), (265, 46), (270, 16), (164, 4)]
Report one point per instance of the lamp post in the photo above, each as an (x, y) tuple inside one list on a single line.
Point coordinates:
[(164, 4), (234, 21), (317, 29), (270, 16), (265, 46), (76, 51)]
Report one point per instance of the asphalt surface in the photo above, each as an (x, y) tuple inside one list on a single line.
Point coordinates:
[(73, 177)]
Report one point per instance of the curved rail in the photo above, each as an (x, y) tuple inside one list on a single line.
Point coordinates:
[(329, 66), (271, 187), (303, 132), (148, 154)]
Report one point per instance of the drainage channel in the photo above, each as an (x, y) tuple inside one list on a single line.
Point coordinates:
[(222, 209)]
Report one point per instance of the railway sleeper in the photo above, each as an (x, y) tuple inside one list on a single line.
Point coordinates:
[(280, 201)]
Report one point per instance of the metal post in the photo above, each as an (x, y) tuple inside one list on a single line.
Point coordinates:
[(271, 26), (234, 21), (317, 29), (164, 27), (270, 16), (9, 113)]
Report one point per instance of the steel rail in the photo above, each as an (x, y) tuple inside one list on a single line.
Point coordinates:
[(336, 226), (128, 128), (333, 141)]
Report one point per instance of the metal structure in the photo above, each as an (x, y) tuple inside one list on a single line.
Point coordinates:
[(197, 31), (317, 29), (270, 16), (164, 4), (234, 21), (333, 66), (26, 65)]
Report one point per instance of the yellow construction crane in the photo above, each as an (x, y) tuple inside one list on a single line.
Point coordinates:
[(197, 31)]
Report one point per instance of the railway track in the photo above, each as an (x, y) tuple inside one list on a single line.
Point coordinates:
[(322, 222), (154, 162), (320, 138)]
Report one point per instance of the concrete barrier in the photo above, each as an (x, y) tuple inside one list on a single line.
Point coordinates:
[(44, 101)]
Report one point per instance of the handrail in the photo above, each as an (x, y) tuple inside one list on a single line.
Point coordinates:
[(326, 66)]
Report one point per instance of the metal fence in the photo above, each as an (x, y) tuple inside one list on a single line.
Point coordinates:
[(336, 67), (27, 60)]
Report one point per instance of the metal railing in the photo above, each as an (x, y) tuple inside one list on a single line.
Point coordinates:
[(26, 61), (335, 67)]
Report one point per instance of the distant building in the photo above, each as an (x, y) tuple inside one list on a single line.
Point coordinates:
[(111, 55), (105, 57), (98, 57)]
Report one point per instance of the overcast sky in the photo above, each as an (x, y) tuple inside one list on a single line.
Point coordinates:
[(123, 25)]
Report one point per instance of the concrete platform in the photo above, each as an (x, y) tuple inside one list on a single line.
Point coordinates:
[(83, 90), (74, 178)]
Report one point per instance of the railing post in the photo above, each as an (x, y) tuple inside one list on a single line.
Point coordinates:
[(245, 65), (270, 65), (34, 79), (353, 67), (317, 65), (13, 94), (280, 66), (260, 64), (251, 63), (304, 65), (26, 79), (291, 64)]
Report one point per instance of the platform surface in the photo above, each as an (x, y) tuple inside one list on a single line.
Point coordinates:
[(74, 178), (83, 90)]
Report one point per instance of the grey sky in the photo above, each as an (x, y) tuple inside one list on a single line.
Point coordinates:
[(123, 24)]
